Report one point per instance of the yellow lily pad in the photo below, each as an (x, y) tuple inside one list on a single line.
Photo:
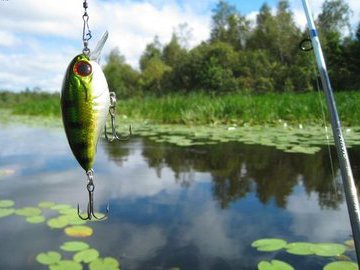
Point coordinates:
[(79, 231)]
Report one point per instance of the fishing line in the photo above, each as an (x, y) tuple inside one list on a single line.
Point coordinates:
[(316, 74)]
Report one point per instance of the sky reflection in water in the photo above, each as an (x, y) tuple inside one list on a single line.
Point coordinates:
[(191, 208)]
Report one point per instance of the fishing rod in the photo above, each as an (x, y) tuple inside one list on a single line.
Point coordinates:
[(345, 168)]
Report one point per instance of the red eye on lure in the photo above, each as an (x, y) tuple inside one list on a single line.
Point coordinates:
[(83, 68)]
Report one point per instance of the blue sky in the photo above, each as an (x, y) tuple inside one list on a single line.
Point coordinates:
[(38, 38)]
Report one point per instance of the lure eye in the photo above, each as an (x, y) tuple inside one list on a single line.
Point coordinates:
[(83, 68)]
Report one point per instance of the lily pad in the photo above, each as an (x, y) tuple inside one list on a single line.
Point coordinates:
[(341, 266), (274, 265), (107, 263), (269, 244), (74, 246), (35, 219), (66, 265), (6, 203), (60, 206), (58, 222), (4, 212), (28, 211), (68, 211), (350, 244), (79, 231), (6, 172), (46, 204), (48, 258), (329, 249), (300, 248), (73, 219), (86, 256)]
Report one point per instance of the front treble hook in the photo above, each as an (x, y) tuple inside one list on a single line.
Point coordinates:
[(90, 208), (114, 135)]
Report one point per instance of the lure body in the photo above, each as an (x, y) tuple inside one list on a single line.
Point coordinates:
[(85, 102)]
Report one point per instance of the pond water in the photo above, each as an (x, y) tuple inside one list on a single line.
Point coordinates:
[(171, 207)]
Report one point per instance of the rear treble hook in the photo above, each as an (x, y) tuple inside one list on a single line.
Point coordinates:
[(90, 207), (114, 135)]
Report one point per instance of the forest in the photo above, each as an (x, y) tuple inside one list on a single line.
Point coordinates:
[(244, 56)]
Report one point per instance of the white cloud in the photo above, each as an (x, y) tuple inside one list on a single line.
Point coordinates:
[(38, 38), (45, 35)]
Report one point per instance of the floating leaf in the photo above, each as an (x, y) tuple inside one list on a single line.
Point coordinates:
[(46, 204), (329, 249), (68, 211), (341, 266), (274, 265), (6, 172), (4, 212), (66, 265), (350, 244), (60, 206), (6, 203), (74, 246), (86, 256), (269, 244), (79, 231), (73, 219), (35, 219), (107, 263), (300, 248), (58, 222), (28, 211), (48, 258)]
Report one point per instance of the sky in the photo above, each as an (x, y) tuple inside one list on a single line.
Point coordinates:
[(38, 38)]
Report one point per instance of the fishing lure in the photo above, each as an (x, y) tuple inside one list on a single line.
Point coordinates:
[(85, 104)]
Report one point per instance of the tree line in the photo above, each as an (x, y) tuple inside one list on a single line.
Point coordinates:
[(243, 56)]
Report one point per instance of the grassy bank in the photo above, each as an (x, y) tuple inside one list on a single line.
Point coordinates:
[(203, 109)]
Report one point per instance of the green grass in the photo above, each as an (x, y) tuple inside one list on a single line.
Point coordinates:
[(203, 109)]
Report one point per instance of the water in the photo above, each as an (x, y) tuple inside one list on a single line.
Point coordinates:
[(173, 207)]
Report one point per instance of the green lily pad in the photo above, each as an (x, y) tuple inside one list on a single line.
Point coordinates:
[(73, 219), (68, 211), (35, 219), (4, 212), (329, 249), (341, 266), (48, 258), (74, 246), (107, 263), (58, 222), (6, 203), (66, 265), (28, 211), (86, 256), (79, 231), (60, 206), (274, 265), (300, 248), (46, 204), (269, 244)]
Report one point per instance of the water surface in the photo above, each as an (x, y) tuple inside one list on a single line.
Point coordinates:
[(173, 207)]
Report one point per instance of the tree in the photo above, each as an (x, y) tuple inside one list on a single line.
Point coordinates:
[(152, 50), (121, 77), (229, 26), (173, 53)]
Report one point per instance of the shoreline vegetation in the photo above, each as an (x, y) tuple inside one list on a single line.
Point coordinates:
[(200, 108)]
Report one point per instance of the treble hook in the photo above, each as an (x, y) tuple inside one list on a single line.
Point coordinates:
[(112, 115), (90, 208)]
